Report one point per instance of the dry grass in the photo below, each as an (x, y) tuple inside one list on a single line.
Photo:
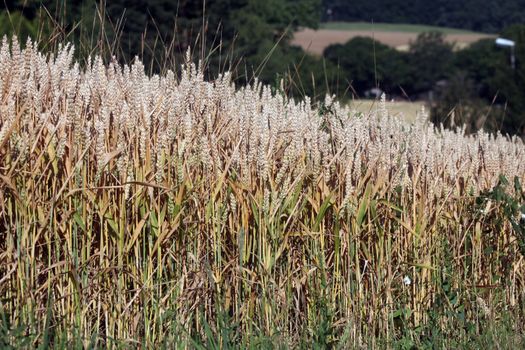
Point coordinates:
[(144, 211)]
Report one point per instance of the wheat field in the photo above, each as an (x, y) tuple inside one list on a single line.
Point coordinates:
[(169, 211)]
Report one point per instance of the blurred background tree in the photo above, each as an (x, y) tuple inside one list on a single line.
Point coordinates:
[(25, 18), (458, 105), (491, 80), (430, 60), (476, 15), (225, 33), (368, 64)]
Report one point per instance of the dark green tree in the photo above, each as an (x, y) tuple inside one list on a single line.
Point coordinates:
[(223, 32), (23, 18), (480, 62), (430, 59), (478, 15), (367, 64), (511, 82), (457, 104), (491, 77)]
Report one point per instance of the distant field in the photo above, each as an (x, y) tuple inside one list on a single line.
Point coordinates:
[(391, 27), (398, 36), (402, 109)]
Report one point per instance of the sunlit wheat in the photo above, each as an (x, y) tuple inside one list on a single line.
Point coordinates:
[(133, 207)]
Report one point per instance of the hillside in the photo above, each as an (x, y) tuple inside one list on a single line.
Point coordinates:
[(398, 36), (477, 15)]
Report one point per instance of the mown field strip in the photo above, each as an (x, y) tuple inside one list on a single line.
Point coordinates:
[(315, 41)]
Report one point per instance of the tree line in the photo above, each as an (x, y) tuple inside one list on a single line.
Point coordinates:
[(489, 16)]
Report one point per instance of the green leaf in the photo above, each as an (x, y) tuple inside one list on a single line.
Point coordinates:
[(363, 207), (322, 211), (78, 219)]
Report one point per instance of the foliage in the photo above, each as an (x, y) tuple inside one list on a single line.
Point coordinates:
[(430, 59), (494, 80), (16, 21), (303, 75), (509, 205), (160, 32), (477, 85), (249, 38), (511, 82), (457, 105), (477, 15), (366, 64), (481, 61), (238, 29)]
